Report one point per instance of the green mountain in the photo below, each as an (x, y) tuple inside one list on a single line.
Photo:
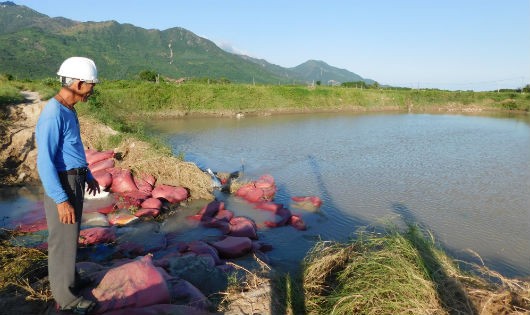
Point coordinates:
[(32, 45)]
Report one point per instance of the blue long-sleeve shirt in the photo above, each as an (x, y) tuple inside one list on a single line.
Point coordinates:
[(59, 147)]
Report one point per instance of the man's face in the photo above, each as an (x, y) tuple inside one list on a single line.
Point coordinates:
[(85, 90)]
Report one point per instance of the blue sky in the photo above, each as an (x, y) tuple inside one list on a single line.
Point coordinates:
[(448, 44)]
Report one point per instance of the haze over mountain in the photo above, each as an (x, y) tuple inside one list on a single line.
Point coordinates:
[(32, 45)]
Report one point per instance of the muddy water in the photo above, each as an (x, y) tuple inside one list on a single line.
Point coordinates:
[(465, 178)]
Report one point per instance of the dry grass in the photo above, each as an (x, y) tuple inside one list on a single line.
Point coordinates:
[(403, 273), (144, 158)]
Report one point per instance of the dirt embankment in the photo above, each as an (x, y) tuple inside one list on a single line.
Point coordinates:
[(18, 153)]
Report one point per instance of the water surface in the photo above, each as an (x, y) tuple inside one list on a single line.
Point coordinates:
[(465, 178)]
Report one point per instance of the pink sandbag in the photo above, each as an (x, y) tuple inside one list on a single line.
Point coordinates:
[(265, 181), (97, 235), (135, 284), (145, 182), (255, 195), (160, 309), (101, 165), (297, 222), (172, 194), (182, 290), (121, 217), (241, 226), (212, 208), (283, 216), (103, 177), (96, 156), (107, 209), (312, 200), (152, 203), (233, 247), (147, 212), (224, 215), (243, 190), (122, 181), (202, 248)]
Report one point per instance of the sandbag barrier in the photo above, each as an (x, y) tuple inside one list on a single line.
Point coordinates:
[(139, 270)]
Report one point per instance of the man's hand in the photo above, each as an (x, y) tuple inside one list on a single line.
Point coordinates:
[(93, 187), (66, 212)]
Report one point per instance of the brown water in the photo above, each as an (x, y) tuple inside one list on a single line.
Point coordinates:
[(465, 178)]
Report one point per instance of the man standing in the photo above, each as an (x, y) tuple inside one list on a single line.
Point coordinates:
[(62, 167)]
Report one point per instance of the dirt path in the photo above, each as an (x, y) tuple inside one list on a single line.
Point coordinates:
[(18, 152)]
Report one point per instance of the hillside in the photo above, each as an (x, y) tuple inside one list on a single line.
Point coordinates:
[(32, 45)]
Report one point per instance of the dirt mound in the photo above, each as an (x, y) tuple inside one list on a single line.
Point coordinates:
[(18, 153)]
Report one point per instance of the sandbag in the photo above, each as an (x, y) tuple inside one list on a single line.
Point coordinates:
[(172, 194), (233, 247), (135, 284), (147, 212), (93, 156), (297, 222), (241, 226), (103, 177), (101, 165), (202, 248), (309, 203), (145, 183), (152, 203), (121, 217), (122, 181), (96, 235)]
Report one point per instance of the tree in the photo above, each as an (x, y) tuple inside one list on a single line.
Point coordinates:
[(148, 75)]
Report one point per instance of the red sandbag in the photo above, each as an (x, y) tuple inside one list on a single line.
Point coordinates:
[(265, 181), (233, 247), (172, 194), (143, 185), (122, 181), (243, 190), (211, 209), (222, 225), (202, 248), (147, 212), (269, 206), (241, 226), (121, 217), (152, 203), (297, 222), (101, 165), (94, 157), (96, 235), (284, 215), (224, 215), (135, 284), (254, 195), (107, 209), (103, 177), (314, 200)]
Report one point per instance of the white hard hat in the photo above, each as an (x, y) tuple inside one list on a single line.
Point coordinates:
[(80, 68)]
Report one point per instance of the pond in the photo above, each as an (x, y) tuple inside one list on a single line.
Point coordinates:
[(466, 179)]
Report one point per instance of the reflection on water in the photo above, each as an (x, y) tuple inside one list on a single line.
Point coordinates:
[(466, 178)]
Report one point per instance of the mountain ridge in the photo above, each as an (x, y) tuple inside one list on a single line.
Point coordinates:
[(32, 45)]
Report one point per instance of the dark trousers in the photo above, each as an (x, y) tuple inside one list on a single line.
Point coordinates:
[(62, 240)]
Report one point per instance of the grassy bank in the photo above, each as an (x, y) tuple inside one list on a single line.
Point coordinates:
[(403, 273)]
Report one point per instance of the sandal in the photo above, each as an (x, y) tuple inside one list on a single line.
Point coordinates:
[(80, 306)]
